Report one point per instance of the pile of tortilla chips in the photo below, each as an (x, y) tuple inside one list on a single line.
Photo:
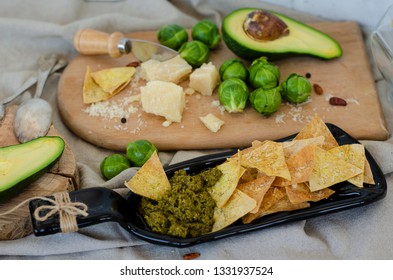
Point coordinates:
[(271, 176), (103, 84)]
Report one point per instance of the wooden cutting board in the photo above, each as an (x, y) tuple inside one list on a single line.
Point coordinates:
[(348, 77), (62, 176)]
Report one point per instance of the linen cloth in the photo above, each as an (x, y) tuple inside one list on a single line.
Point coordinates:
[(30, 28)]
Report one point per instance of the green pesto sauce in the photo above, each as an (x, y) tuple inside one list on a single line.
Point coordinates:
[(187, 209)]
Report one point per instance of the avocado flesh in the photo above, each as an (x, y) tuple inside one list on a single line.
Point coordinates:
[(302, 39), (21, 164)]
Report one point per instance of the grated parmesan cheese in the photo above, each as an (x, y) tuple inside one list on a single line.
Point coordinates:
[(353, 101), (109, 110), (328, 96), (295, 113), (280, 118), (217, 104)]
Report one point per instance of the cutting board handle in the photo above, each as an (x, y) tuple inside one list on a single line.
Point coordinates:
[(94, 42)]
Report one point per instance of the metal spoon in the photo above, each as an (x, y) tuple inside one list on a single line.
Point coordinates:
[(33, 117), (27, 84)]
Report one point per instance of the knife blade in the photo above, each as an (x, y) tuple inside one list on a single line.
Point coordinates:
[(94, 42)]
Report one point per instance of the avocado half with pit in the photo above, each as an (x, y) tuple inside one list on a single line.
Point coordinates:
[(24, 163), (251, 33)]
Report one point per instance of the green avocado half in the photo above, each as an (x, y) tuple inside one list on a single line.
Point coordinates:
[(22, 164), (301, 40)]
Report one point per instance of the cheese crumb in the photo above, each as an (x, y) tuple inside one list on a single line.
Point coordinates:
[(353, 101), (134, 98), (217, 104), (189, 91), (212, 122), (166, 123)]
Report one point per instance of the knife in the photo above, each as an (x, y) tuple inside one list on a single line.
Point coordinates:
[(94, 42)]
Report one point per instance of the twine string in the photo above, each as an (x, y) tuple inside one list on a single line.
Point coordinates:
[(61, 205), (67, 210)]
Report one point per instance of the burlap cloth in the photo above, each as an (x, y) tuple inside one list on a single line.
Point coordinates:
[(29, 28)]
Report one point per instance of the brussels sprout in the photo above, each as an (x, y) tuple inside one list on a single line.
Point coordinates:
[(233, 68), (264, 74), (172, 36), (296, 88), (138, 152), (206, 32), (266, 101), (195, 53), (114, 164), (233, 95)]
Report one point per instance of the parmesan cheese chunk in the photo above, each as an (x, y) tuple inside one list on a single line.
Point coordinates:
[(164, 99), (205, 79), (212, 122), (173, 70)]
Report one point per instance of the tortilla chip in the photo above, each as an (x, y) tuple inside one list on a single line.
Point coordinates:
[(150, 181), (257, 143), (329, 170), (249, 217), (254, 145), (237, 206), (353, 154), (317, 128), (298, 193), (267, 158), (257, 189), (249, 174), (273, 195), (294, 146), (113, 80), (300, 167), (368, 174), (91, 91), (275, 201), (225, 186), (284, 204)]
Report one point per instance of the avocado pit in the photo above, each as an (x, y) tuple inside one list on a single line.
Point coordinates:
[(261, 25)]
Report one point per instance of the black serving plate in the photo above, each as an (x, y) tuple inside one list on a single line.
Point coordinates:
[(106, 205)]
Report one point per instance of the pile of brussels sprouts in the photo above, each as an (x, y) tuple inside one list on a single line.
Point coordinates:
[(259, 84), (137, 153), (205, 37)]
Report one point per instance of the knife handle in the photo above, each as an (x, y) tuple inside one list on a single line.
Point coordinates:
[(94, 42)]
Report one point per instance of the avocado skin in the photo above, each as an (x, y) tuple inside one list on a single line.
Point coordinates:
[(240, 48), (250, 54), (19, 187)]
